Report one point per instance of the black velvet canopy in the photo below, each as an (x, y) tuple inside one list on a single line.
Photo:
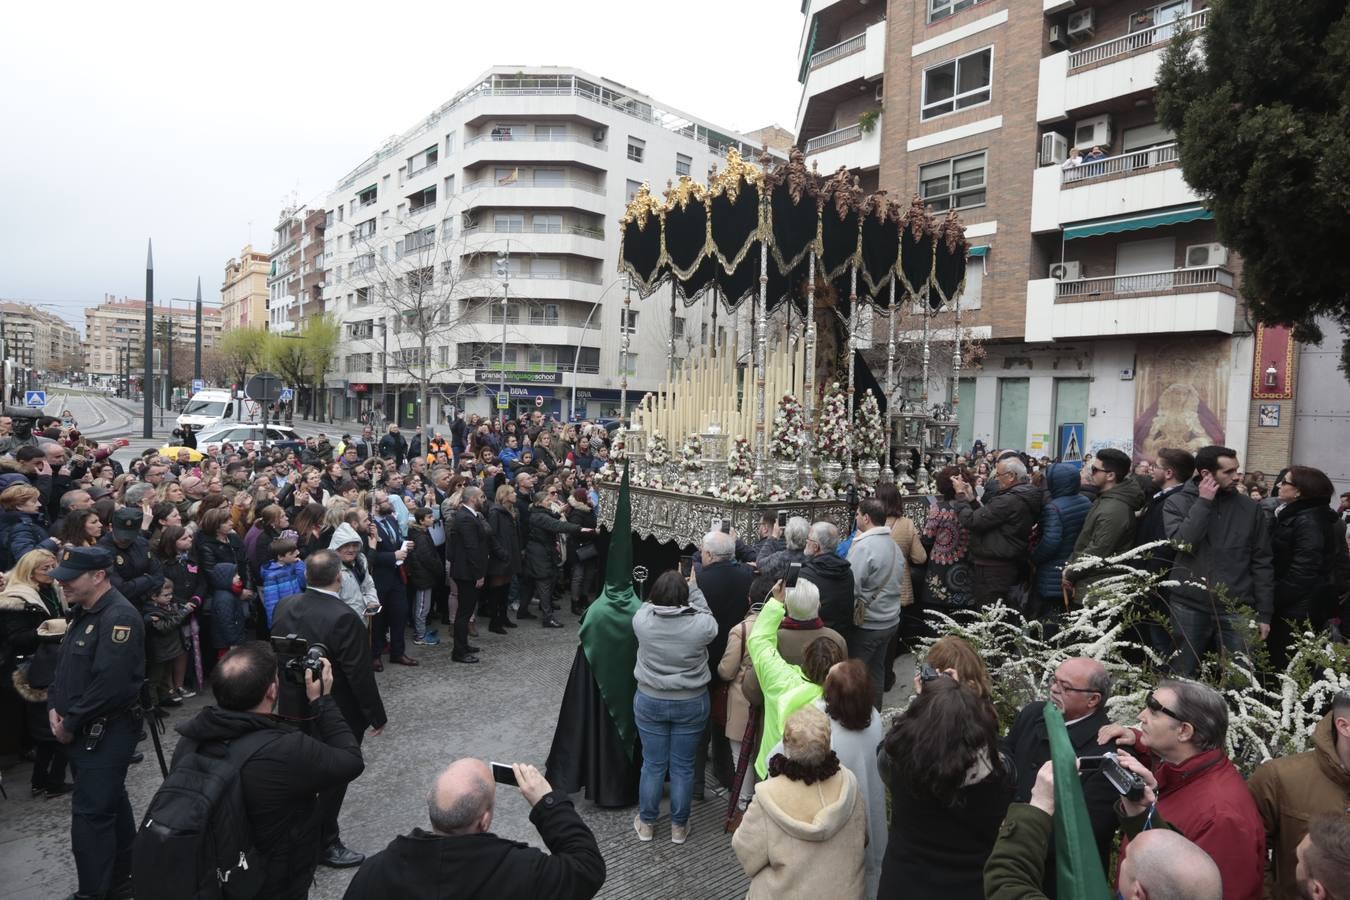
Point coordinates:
[(705, 236)]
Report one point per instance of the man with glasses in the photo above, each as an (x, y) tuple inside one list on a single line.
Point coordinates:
[(1226, 561), (832, 574), (1000, 528), (1180, 738), (1109, 526), (1079, 688)]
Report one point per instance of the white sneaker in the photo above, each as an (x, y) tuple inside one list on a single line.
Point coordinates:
[(679, 834), (644, 831)]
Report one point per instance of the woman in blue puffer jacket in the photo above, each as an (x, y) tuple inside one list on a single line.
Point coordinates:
[(1061, 520), (23, 526)]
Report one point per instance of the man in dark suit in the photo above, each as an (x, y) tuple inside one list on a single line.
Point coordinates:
[(319, 616), (1080, 688), (726, 586), (394, 446), (469, 554), (391, 625)]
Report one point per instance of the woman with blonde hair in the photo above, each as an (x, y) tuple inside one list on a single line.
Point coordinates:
[(32, 621), (23, 525), (955, 654), (501, 517)]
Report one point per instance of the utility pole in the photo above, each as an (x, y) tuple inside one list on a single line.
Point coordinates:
[(197, 362), (168, 367), (504, 272), (148, 406)]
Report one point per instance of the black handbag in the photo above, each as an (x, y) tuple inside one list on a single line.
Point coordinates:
[(586, 552)]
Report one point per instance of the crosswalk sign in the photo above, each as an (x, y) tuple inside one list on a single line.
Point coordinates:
[(35, 399), (198, 384), (503, 400), (286, 395)]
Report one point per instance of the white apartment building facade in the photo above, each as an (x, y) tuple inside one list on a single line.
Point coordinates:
[(536, 165)]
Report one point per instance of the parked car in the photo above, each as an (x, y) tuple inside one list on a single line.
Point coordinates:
[(282, 436)]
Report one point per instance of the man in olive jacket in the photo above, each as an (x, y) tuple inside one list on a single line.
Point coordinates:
[(1110, 524)]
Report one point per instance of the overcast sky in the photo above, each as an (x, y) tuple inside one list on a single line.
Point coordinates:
[(193, 124)]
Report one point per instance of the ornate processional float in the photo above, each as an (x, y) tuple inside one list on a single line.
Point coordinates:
[(792, 431)]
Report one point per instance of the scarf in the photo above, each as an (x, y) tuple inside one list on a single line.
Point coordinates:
[(802, 624), (806, 773)]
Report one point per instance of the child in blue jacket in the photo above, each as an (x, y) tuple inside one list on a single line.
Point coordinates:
[(283, 576)]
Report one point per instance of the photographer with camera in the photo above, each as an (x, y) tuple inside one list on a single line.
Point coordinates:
[(1161, 863), (283, 771)]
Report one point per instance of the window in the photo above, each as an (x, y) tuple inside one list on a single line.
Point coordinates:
[(957, 84), (363, 263), (546, 315), (546, 224), (364, 231), (422, 200), (957, 183), (974, 290), (941, 9), (443, 355), (449, 185), (550, 132), (502, 132), (635, 149), (418, 240), (549, 177), (546, 267), (450, 143), (363, 330), (679, 329), (628, 321), (683, 164), (367, 196), (512, 314), (510, 224), (633, 188), (424, 160)]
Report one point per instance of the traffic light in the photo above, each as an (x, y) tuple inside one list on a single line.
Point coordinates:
[(503, 264)]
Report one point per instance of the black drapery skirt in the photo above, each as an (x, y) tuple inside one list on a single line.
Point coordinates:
[(586, 751)]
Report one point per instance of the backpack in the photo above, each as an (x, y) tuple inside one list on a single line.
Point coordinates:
[(195, 842)]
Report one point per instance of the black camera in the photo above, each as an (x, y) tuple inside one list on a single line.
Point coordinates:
[(295, 657), (1127, 784)]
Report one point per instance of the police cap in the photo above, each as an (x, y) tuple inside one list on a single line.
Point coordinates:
[(75, 561), (126, 523)]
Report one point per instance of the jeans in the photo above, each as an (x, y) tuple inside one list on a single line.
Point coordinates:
[(421, 606), (748, 782), (869, 645), (102, 826), (1195, 631), (670, 731)]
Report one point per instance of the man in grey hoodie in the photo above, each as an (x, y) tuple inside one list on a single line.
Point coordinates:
[(877, 569)]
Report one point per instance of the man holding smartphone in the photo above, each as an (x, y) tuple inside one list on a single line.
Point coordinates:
[(460, 850), (1227, 540)]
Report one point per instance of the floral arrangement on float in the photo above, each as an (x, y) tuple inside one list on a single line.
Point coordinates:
[(832, 434), (691, 454), (741, 459), (658, 454), (870, 433), (789, 430)]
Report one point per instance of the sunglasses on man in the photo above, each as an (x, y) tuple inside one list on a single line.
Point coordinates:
[(1152, 703)]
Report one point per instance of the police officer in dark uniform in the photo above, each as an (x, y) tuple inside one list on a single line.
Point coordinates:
[(93, 708), (136, 572)]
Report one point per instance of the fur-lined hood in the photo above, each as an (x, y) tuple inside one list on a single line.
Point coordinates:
[(25, 690), (16, 597), (578, 505)]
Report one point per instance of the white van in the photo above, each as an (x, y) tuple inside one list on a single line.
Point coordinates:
[(207, 408)]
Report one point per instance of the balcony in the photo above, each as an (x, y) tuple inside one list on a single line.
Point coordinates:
[(568, 241), (1169, 302), (849, 147), (836, 73), (1114, 186), (1075, 80)]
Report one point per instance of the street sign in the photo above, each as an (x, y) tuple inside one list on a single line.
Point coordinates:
[(539, 401), (286, 395), (38, 399), (263, 387), (198, 384), (503, 400)]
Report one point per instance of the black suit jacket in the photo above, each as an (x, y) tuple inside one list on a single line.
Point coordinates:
[(316, 616), (1027, 744), (472, 546), (726, 587)]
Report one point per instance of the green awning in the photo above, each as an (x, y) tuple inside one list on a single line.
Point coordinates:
[(978, 250), (371, 188), (1137, 223)]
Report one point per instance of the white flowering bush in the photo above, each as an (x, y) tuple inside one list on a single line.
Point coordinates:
[(832, 430), (1270, 713), (870, 433), (789, 430)]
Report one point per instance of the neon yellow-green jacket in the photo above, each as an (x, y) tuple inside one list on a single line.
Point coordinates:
[(785, 688)]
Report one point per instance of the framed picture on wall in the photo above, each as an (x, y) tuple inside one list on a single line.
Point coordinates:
[(1268, 415)]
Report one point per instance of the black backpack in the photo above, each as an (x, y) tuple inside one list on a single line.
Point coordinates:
[(195, 842)]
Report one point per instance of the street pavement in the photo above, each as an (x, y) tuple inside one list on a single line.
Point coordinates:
[(504, 709)]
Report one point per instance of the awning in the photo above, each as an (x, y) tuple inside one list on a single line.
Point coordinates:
[(1137, 223), (371, 188), (978, 250)]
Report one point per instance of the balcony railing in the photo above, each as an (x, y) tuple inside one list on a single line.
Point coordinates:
[(1137, 40), (823, 142), (568, 138), (427, 167), (1165, 282), (1126, 163), (838, 51), (575, 183), (575, 230)]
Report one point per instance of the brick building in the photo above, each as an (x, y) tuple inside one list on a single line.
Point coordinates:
[(114, 324)]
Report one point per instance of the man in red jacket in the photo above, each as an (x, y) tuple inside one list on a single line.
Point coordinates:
[(1200, 792)]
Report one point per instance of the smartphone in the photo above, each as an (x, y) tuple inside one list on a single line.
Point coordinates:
[(782, 518), (718, 524), (928, 673), (790, 579), (503, 774), (686, 566), (726, 526)]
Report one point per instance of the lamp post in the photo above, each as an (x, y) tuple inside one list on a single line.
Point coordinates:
[(197, 361), (504, 273), (147, 406)]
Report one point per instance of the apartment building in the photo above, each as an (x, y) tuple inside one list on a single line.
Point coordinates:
[(243, 293), (295, 276), (38, 340), (501, 209), (114, 325), (1108, 308)]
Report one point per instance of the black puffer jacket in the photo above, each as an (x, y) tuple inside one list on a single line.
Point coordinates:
[(1302, 569), (1000, 528), (504, 563), (833, 575), (542, 559)]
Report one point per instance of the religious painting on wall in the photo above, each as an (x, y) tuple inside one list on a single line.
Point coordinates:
[(1181, 394)]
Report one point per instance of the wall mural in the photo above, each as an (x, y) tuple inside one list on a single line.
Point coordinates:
[(1181, 394)]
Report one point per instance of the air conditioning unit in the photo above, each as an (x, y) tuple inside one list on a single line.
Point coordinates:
[(878, 93), (1066, 271), (1054, 148), (1058, 39), (598, 135), (1094, 132), (1082, 24), (1199, 256)]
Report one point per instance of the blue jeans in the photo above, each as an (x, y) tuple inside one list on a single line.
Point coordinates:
[(670, 731), (1196, 631)]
